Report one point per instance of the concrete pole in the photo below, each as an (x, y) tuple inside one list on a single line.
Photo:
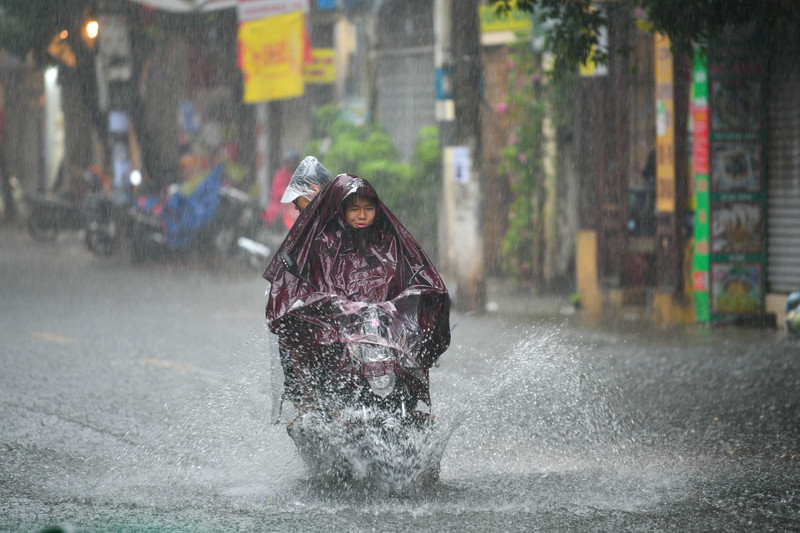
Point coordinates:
[(461, 239), (262, 165)]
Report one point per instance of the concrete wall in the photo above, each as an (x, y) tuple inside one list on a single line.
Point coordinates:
[(23, 125)]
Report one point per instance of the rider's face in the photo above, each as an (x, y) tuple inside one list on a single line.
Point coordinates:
[(360, 213), (301, 202)]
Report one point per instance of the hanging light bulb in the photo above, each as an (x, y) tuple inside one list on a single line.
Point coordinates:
[(92, 29)]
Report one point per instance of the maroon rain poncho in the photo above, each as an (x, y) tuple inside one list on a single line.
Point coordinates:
[(381, 264)]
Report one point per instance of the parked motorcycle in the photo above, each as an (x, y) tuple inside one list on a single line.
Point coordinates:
[(206, 220), (88, 201), (100, 231), (792, 310), (248, 236), (258, 240), (49, 214), (368, 423)]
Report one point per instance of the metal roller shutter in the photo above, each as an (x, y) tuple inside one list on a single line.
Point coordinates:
[(783, 172), (406, 87)]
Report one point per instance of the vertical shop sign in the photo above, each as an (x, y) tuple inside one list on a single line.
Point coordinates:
[(700, 260), (322, 68), (115, 48), (736, 168), (665, 127), (271, 56), (247, 10)]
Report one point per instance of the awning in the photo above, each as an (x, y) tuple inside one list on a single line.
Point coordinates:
[(188, 6)]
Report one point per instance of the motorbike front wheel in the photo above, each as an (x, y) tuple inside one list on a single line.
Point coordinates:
[(42, 226), (100, 242)]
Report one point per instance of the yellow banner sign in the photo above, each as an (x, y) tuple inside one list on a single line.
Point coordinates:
[(322, 68), (271, 54), (665, 127)]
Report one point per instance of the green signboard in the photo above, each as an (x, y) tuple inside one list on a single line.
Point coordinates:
[(729, 165), (700, 266)]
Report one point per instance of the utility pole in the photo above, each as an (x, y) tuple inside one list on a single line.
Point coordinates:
[(457, 60)]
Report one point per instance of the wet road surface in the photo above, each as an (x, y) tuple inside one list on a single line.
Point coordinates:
[(141, 399)]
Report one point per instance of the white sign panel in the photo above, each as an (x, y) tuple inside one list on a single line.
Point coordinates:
[(461, 164), (115, 48), (188, 6), (248, 10)]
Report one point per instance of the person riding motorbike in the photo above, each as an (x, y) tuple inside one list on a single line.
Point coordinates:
[(306, 182), (352, 251), (276, 214), (309, 178)]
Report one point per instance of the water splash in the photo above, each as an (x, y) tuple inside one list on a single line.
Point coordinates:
[(401, 460), (549, 399)]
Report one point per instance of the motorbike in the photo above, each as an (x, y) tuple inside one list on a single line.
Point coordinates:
[(51, 212), (255, 240), (100, 228), (258, 239), (368, 423), (206, 220)]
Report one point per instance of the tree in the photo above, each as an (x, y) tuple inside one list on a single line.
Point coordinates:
[(53, 33), (30, 25), (688, 23)]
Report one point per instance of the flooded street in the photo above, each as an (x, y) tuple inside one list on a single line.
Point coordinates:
[(141, 399)]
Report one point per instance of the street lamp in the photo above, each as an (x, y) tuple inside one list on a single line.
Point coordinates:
[(90, 32), (92, 29)]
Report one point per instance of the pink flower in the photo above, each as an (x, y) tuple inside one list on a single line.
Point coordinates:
[(501, 108), (522, 158)]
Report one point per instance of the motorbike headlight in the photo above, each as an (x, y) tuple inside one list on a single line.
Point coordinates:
[(382, 386), (136, 178), (371, 353)]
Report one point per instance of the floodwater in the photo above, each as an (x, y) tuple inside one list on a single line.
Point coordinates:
[(142, 399)]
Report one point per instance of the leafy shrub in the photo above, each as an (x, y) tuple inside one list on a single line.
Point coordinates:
[(411, 191)]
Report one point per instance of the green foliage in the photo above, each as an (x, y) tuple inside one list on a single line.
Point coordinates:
[(532, 98), (688, 23), (575, 300), (694, 22), (409, 190), (522, 163), (574, 37), (428, 153)]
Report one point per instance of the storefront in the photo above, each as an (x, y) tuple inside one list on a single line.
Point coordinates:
[(747, 254), (783, 166)]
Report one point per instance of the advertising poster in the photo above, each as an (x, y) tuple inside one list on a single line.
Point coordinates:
[(736, 288), (322, 67), (736, 199), (271, 56), (737, 228), (737, 166), (461, 164), (665, 127), (700, 164)]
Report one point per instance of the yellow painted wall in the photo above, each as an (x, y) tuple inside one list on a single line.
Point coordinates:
[(586, 272)]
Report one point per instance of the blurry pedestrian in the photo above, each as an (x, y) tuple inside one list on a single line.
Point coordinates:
[(276, 213)]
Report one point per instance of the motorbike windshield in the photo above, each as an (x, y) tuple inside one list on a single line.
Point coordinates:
[(350, 269)]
